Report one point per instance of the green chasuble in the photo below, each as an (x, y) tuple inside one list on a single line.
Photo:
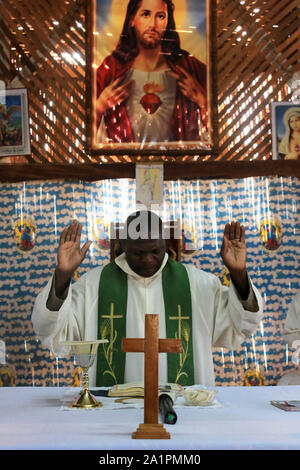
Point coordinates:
[(113, 292)]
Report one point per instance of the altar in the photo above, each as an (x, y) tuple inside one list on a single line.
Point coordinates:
[(34, 418)]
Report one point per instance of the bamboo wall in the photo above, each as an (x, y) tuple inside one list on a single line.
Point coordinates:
[(43, 49), (257, 52)]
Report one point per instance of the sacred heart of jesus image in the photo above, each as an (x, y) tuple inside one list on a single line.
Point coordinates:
[(151, 101)]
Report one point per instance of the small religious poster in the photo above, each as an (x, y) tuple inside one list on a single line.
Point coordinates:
[(270, 233), (14, 123), (25, 233), (101, 234), (286, 130), (149, 184)]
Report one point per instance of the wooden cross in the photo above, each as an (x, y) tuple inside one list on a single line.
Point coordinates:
[(179, 319), (151, 345), (111, 316)]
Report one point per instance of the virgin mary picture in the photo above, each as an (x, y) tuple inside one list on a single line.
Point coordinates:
[(286, 130)]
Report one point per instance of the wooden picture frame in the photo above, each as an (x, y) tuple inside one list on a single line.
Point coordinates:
[(158, 105), (14, 122)]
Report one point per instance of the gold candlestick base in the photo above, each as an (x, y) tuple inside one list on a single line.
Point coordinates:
[(86, 400)]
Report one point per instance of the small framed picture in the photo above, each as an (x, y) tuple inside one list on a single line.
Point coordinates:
[(149, 184), (14, 122), (286, 130)]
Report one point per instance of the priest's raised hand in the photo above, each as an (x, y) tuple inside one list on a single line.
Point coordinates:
[(234, 254), (69, 255)]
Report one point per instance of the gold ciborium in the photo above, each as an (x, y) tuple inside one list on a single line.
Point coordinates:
[(85, 353)]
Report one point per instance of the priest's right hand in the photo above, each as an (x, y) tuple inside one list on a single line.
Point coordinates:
[(70, 255)]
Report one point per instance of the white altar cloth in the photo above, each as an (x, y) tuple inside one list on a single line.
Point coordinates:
[(33, 418)]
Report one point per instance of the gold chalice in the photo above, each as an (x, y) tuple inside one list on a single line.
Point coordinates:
[(85, 353)]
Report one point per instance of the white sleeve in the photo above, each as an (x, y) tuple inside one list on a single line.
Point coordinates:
[(291, 331), (221, 307), (233, 323), (65, 324)]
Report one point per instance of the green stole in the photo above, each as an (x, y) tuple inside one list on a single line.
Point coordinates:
[(112, 307)]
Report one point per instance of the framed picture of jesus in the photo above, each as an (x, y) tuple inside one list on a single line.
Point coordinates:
[(149, 77)]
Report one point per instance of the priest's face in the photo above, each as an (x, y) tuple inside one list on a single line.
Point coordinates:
[(145, 256)]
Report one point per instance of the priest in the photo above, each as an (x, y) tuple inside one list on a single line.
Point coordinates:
[(110, 302), (291, 330)]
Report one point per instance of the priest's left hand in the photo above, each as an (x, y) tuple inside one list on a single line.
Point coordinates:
[(234, 254)]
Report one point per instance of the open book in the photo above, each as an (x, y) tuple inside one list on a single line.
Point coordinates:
[(291, 405), (136, 389)]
